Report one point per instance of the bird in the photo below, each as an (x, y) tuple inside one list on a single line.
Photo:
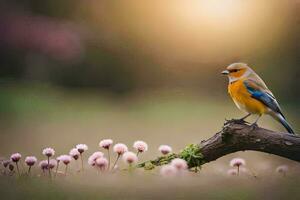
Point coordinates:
[(250, 94)]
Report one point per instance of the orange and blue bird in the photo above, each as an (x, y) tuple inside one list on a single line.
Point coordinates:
[(250, 94)]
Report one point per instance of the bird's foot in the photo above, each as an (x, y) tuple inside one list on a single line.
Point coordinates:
[(236, 121), (254, 126)]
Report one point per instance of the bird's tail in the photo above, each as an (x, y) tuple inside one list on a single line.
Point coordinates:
[(279, 117)]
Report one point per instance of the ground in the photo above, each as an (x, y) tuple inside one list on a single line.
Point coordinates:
[(34, 118)]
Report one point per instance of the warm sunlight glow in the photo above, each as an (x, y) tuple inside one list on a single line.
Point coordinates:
[(193, 30), (218, 10), (218, 13)]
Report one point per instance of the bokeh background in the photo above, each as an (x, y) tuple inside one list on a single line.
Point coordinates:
[(80, 71)]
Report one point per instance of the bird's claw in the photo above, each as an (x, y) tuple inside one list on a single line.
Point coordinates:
[(235, 121), (254, 126)]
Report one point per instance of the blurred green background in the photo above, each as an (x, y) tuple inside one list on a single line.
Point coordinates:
[(80, 71)]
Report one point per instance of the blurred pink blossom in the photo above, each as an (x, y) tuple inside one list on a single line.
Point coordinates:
[(237, 162), (30, 160), (74, 153), (15, 157), (56, 39), (48, 152), (179, 164), (102, 163), (106, 143), (92, 159), (168, 171), (82, 148), (140, 146), (130, 157), (120, 148), (165, 149)]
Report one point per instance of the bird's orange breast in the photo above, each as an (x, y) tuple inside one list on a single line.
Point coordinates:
[(242, 98)]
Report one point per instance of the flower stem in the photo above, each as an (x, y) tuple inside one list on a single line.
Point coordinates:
[(66, 170), (49, 170), (119, 155), (238, 170), (81, 162), (56, 169), (18, 169), (108, 155), (77, 167), (29, 170)]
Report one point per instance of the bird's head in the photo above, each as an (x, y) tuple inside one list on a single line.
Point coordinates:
[(237, 71)]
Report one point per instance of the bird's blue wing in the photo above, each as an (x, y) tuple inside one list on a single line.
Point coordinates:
[(262, 95)]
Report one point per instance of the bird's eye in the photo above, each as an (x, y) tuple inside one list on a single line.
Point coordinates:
[(234, 70)]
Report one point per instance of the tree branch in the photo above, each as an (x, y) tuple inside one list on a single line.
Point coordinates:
[(240, 137), (232, 138)]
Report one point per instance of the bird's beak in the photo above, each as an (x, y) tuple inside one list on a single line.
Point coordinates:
[(225, 72)]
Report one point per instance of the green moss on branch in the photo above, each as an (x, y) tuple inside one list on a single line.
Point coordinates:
[(191, 154)]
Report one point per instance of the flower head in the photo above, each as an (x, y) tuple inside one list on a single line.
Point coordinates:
[(92, 159), (232, 172), (11, 167), (82, 148), (130, 157), (30, 160), (179, 164), (15, 157), (102, 163), (66, 159), (165, 149), (6, 163), (74, 153), (120, 148), (237, 162), (48, 152), (282, 169), (106, 143), (168, 170), (43, 164), (52, 163), (140, 146)]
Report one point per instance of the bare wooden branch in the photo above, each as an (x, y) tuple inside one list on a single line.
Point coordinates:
[(240, 137)]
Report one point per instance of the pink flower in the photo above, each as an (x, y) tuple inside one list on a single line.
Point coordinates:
[(179, 164), (282, 169), (92, 159), (120, 148), (11, 167), (165, 149), (48, 152), (43, 164), (30, 160), (232, 172), (168, 170), (74, 153), (52, 163), (102, 163), (237, 162), (15, 157), (130, 157), (66, 159), (140, 146), (81, 148), (6, 163), (106, 143)]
